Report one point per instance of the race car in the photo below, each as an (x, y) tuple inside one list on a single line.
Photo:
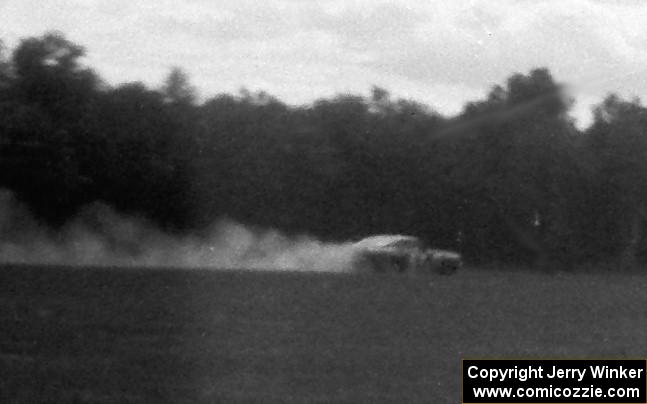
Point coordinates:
[(402, 254)]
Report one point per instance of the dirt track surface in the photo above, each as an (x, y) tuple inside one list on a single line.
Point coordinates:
[(175, 336)]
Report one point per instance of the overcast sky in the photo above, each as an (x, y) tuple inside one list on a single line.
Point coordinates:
[(441, 52)]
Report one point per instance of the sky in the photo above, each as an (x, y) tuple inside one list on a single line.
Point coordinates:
[(438, 52)]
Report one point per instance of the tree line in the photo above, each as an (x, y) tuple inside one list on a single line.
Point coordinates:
[(509, 180)]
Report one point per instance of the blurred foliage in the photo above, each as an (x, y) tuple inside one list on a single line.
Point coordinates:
[(508, 180)]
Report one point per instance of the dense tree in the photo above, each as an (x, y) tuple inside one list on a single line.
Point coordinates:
[(43, 104), (5, 69), (509, 179), (513, 158), (49, 74), (177, 89), (617, 142)]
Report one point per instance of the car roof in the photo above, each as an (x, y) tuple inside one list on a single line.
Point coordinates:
[(383, 240)]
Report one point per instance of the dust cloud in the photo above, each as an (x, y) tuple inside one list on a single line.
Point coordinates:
[(100, 236)]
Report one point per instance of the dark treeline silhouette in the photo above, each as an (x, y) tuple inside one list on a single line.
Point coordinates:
[(508, 180)]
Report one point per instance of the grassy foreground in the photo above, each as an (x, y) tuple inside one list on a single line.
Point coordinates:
[(187, 336)]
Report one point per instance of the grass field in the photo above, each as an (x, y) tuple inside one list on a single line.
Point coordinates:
[(187, 336)]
